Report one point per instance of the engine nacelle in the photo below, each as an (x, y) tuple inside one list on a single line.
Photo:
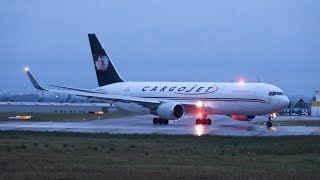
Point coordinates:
[(169, 111), (242, 117)]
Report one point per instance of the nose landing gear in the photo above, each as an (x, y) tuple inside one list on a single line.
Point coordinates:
[(272, 116)]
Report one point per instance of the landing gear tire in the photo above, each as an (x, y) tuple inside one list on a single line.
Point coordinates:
[(155, 121), (208, 121), (269, 124), (204, 121)]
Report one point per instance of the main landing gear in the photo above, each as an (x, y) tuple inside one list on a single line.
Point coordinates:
[(160, 121), (202, 119), (269, 123)]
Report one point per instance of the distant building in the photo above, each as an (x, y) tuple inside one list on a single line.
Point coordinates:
[(295, 112), (315, 106), (54, 107), (317, 94)]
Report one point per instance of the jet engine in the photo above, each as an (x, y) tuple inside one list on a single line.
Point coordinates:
[(242, 117), (169, 111)]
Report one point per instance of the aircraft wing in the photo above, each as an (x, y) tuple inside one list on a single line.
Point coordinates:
[(93, 94)]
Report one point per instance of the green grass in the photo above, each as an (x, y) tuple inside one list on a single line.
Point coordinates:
[(294, 123), (64, 117), (59, 155)]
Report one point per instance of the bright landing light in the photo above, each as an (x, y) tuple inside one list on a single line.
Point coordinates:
[(241, 82), (26, 69)]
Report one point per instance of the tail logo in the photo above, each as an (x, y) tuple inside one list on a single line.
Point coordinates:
[(102, 63)]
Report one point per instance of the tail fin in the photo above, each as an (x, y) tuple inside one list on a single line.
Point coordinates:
[(106, 73)]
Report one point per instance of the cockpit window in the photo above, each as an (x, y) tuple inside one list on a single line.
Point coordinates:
[(275, 93), (279, 93), (272, 93)]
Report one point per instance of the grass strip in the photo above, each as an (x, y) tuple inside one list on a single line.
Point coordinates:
[(61, 155)]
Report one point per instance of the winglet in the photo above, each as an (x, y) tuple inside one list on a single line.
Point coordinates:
[(259, 79), (33, 81)]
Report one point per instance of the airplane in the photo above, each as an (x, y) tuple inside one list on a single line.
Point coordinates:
[(241, 101)]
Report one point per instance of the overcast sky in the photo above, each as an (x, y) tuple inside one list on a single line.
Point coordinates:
[(162, 40)]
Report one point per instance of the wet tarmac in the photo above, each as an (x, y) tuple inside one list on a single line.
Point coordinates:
[(221, 125)]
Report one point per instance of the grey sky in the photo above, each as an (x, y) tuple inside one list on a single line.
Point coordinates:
[(162, 40)]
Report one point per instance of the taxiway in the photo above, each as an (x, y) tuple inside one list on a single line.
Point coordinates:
[(222, 125)]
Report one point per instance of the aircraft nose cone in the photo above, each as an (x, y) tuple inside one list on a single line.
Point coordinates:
[(285, 102)]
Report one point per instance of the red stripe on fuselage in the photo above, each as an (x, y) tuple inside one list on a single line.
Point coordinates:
[(214, 99)]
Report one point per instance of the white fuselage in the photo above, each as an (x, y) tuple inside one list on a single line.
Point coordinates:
[(216, 98)]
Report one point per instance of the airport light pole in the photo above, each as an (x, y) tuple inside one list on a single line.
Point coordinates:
[(291, 108)]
